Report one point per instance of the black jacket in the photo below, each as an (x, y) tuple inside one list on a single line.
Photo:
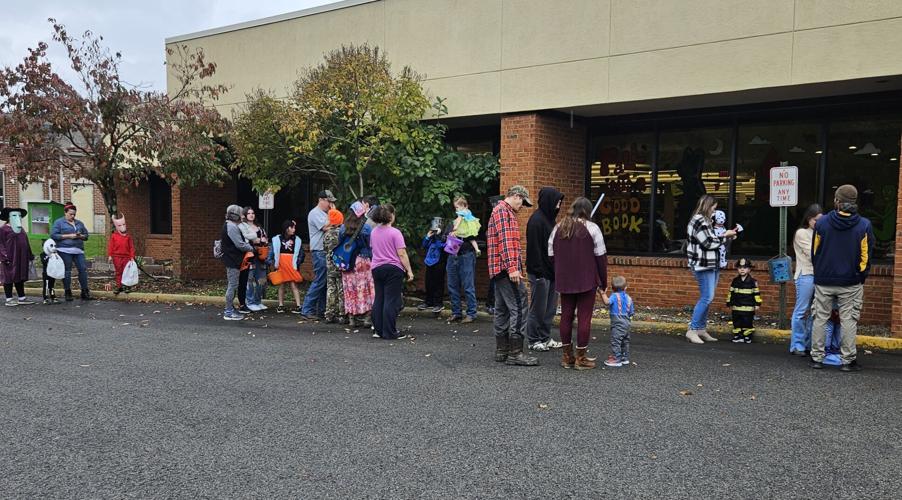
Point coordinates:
[(744, 295), (538, 230)]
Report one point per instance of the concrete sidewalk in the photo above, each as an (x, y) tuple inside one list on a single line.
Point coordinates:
[(654, 327)]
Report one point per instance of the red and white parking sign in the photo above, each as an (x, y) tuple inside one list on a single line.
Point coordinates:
[(784, 186)]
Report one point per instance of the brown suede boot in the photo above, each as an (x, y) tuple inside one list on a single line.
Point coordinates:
[(567, 359), (502, 348), (582, 362)]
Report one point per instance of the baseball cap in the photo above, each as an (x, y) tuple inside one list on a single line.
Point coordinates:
[(522, 192), (326, 194)]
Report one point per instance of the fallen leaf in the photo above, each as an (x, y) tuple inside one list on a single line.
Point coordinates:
[(868, 352), (543, 406), (84, 366), (428, 355), (685, 393), (699, 385), (725, 364), (753, 398), (156, 312)]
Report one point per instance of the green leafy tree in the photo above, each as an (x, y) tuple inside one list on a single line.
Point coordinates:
[(353, 121), (100, 128)]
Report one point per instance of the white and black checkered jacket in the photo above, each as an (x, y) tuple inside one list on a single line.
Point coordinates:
[(702, 245)]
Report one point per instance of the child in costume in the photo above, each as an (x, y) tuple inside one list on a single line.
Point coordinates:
[(466, 226), (286, 255), (120, 250), (49, 293), (335, 302), (720, 221), (744, 300), (622, 310), (434, 243), (15, 256)]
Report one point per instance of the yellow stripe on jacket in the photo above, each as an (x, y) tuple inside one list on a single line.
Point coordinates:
[(864, 254)]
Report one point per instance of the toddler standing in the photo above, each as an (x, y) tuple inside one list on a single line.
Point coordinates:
[(622, 310), (120, 250), (49, 283), (744, 300)]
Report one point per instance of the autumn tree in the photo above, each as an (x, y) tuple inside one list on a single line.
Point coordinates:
[(100, 128), (355, 122)]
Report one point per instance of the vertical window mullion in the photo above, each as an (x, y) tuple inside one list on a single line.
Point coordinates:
[(822, 163), (654, 187), (734, 161)]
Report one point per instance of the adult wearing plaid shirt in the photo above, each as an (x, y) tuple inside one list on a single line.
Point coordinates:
[(506, 272)]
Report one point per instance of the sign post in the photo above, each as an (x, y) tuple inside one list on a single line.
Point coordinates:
[(784, 192), (266, 203)]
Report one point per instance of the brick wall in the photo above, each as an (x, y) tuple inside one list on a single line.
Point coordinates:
[(896, 307), (198, 216)]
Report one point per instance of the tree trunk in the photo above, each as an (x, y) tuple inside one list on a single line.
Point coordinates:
[(360, 179), (110, 196)]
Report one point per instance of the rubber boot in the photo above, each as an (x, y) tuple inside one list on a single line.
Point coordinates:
[(515, 354), (567, 359), (582, 362), (501, 349)]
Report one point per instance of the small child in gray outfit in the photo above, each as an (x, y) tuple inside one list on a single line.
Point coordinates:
[(622, 310)]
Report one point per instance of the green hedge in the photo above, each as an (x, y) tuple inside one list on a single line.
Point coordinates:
[(94, 247)]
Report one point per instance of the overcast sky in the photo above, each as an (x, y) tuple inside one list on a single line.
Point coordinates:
[(136, 29)]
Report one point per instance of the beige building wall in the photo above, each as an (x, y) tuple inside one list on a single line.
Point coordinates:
[(501, 56)]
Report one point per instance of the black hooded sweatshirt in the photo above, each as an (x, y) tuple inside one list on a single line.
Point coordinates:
[(538, 230)]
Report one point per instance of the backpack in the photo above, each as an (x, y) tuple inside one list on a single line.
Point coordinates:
[(344, 256), (217, 249)]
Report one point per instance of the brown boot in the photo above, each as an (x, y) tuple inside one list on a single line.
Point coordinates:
[(501, 349), (582, 362), (567, 359)]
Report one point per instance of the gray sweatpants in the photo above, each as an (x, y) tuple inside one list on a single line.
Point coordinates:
[(542, 308), (620, 337), (848, 299), (510, 307), (231, 289)]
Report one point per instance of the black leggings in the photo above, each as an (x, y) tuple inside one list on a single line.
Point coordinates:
[(242, 287), (388, 280), (8, 289)]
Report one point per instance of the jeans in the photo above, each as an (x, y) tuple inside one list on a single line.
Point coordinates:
[(388, 280), (620, 337), (510, 309), (802, 316), (462, 275), (231, 290), (256, 291), (707, 284), (848, 300), (315, 300), (542, 308), (81, 265)]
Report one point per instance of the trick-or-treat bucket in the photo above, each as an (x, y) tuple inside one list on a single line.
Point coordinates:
[(780, 269), (452, 244)]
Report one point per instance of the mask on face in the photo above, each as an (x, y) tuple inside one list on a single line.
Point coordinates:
[(120, 225), (15, 222)]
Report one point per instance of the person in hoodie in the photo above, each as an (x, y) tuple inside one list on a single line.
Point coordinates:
[(841, 254), (540, 271)]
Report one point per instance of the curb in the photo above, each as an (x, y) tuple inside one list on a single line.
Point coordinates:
[(643, 327)]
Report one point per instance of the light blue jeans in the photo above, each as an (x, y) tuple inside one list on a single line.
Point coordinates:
[(802, 316), (707, 284), (462, 277), (315, 300)]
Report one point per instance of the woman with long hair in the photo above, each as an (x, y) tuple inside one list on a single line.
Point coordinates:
[(256, 277), (390, 266), (357, 283), (286, 255), (802, 319), (577, 245), (703, 254)]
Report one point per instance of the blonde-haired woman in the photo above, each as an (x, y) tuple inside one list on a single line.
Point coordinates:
[(703, 254)]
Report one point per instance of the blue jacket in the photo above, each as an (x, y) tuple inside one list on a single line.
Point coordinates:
[(842, 249), (61, 227), (622, 305), (433, 246)]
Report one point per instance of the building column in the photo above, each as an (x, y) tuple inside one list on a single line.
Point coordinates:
[(896, 320), (539, 150)]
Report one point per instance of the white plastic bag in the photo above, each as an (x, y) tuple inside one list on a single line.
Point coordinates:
[(130, 274), (56, 268)]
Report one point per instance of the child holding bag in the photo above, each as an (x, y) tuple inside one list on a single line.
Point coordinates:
[(120, 250)]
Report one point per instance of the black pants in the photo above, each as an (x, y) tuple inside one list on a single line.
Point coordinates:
[(435, 283), (490, 300), (389, 282), (743, 323), (242, 287), (48, 287), (8, 289)]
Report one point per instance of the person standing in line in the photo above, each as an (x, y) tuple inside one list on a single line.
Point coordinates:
[(70, 235), (802, 319), (335, 299), (234, 247), (286, 254), (543, 296), (49, 293), (506, 270), (577, 248), (436, 264), (390, 265), (15, 256), (318, 223), (461, 267), (703, 255), (622, 308), (357, 283), (841, 253), (255, 289), (120, 250), (744, 300)]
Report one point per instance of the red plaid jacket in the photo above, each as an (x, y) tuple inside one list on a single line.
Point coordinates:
[(503, 235)]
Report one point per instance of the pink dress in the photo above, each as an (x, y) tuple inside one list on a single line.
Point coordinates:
[(358, 288)]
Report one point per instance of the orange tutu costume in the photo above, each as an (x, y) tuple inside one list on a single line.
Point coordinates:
[(286, 273)]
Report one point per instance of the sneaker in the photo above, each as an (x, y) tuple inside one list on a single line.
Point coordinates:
[(233, 317), (401, 337), (468, 319), (117, 291), (306, 317), (280, 308), (491, 310), (422, 306), (55, 300), (12, 302), (817, 365), (69, 297), (438, 309), (851, 367), (254, 307), (454, 318), (25, 301), (538, 346), (553, 344), (47, 302), (297, 311), (261, 307), (613, 362), (244, 310), (376, 336), (737, 339), (747, 339), (625, 362)]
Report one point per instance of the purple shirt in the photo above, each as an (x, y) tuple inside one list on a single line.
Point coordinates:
[(385, 242)]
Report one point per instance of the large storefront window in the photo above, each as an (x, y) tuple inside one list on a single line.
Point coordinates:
[(622, 169), (652, 180)]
